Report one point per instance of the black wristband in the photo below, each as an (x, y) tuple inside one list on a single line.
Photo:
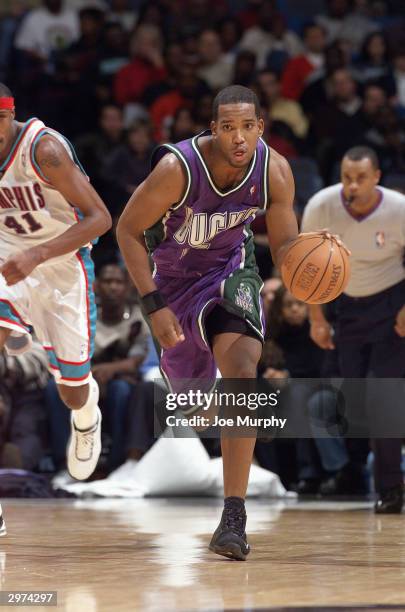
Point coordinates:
[(151, 302)]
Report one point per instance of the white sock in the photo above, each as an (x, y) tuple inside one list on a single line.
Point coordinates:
[(86, 417)]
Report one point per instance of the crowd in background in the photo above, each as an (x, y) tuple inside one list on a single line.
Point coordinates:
[(119, 77)]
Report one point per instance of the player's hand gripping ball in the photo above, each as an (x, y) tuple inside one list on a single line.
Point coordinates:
[(316, 267)]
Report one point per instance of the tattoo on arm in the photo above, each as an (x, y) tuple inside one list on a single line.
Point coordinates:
[(50, 158)]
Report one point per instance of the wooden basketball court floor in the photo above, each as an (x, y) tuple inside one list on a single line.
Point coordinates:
[(151, 554)]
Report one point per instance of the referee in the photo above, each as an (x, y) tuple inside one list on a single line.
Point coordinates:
[(370, 315)]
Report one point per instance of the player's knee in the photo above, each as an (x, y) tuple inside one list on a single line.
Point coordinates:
[(244, 369), (74, 397)]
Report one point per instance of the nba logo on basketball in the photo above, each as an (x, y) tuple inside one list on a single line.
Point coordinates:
[(380, 239)]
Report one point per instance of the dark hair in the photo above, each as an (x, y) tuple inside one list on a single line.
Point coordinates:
[(235, 94), (310, 25), (364, 53), (362, 152), (114, 264), (5, 92)]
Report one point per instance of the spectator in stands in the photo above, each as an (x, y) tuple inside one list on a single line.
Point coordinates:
[(47, 29), (188, 89), (317, 91), (337, 125), (270, 34), (9, 24), (374, 61), (230, 32), (342, 23), (279, 108), (113, 55), (244, 72), (289, 331), (214, 68), (299, 68), (121, 13), (120, 348), (183, 126), (94, 149), (129, 165), (23, 378), (399, 79), (82, 55), (387, 137), (147, 65)]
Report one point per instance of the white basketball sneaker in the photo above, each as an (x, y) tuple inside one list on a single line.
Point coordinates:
[(84, 449), (3, 530)]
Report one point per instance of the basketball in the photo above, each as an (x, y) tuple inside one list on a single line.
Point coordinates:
[(315, 269)]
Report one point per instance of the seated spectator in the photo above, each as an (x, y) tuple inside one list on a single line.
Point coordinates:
[(183, 126), (337, 125), (214, 68), (317, 90), (120, 348), (244, 69), (279, 108), (298, 69), (187, 89), (299, 357), (112, 56), (123, 14), (146, 67), (399, 80), (9, 25), (81, 56), (270, 34), (94, 150), (130, 163), (374, 61), (230, 33), (23, 426), (387, 137), (47, 29), (342, 23)]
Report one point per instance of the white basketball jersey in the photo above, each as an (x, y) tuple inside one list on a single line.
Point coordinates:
[(376, 240), (31, 210)]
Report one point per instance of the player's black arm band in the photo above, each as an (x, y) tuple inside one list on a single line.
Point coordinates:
[(151, 302)]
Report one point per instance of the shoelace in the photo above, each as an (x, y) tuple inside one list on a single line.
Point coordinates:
[(85, 440), (235, 520)]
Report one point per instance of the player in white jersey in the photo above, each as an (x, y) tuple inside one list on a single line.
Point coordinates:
[(370, 315), (49, 215)]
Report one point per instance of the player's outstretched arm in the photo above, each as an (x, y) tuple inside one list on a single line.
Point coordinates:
[(65, 177), (282, 227), (164, 187)]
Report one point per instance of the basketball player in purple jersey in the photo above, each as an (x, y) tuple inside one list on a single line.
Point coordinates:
[(192, 215), (49, 215)]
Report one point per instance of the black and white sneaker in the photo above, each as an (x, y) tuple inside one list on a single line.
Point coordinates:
[(3, 530), (229, 538)]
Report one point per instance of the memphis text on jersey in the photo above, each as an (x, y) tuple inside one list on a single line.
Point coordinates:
[(24, 197)]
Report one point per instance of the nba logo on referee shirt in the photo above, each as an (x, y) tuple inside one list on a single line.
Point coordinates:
[(380, 239)]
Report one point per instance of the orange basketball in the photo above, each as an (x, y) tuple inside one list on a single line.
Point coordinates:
[(315, 268)]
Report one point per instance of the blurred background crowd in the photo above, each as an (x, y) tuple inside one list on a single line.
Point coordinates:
[(118, 77)]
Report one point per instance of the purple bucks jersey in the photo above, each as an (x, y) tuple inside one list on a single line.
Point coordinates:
[(203, 255), (208, 230)]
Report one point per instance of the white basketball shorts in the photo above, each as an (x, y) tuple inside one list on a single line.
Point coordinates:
[(57, 302)]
